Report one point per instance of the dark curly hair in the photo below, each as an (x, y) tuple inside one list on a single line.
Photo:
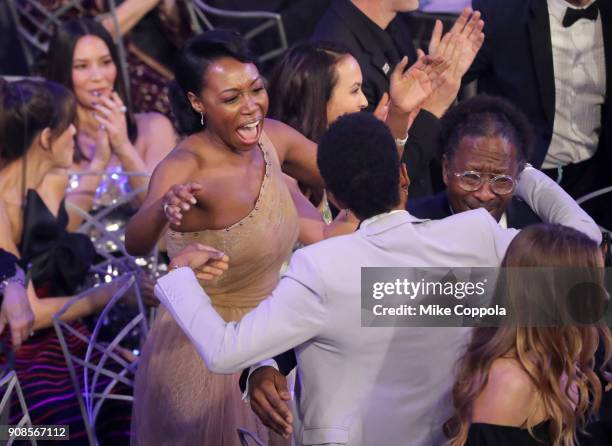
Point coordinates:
[(485, 116), (358, 160)]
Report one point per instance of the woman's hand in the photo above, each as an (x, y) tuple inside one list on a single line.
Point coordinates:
[(468, 29), (208, 263), (17, 313), (179, 199), (409, 88), (110, 113), (103, 152), (459, 46)]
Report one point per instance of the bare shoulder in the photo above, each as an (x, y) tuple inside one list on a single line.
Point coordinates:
[(152, 120), (6, 229), (279, 130), (283, 137), (509, 396), (181, 162), (154, 129)]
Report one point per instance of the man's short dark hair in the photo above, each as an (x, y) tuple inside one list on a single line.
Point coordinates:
[(485, 116), (358, 159)]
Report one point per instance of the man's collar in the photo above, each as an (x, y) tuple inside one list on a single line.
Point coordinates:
[(558, 7), (387, 220)]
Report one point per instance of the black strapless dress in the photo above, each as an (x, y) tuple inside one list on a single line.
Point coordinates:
[(58, 260), (482, 434)]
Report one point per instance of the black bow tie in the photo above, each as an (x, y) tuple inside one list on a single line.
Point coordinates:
[(573, 15)]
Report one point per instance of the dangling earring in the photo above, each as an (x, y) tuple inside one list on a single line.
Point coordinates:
[(202, 118)]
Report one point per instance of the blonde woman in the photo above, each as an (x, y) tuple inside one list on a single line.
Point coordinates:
[(535, 383)]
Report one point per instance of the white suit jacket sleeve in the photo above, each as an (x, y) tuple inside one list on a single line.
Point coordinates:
[(550, 202), (553, 205), (293, 314)]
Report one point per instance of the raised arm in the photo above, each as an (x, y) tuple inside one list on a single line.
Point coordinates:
[(296, 310), (553, 204), (312, 227), (296, 153), (148, 224)]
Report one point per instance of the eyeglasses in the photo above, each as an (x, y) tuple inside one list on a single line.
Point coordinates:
[(471, 181)]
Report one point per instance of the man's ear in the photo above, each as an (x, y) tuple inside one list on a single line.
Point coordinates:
[(445, 170), (404, 178), (196, 103), (45, 138)]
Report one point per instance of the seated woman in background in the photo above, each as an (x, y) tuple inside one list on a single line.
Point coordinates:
[(83, 58), (37, 136), (524, 384)]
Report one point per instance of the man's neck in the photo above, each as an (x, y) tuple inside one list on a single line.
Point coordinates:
[(376, 11)]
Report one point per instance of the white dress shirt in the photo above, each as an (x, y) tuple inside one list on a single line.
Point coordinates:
[(580, 86)]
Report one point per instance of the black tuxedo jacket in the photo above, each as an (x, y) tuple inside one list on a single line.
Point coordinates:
[(516, 62), (518, 213), (345, 24)]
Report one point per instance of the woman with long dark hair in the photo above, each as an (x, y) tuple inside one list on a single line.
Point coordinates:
[(531, 381), (83, 58)]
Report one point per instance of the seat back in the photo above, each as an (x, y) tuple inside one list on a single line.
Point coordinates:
[(36, 24), (200, 13), (108, 369), (10, 384), (108, 233), (593, 195)]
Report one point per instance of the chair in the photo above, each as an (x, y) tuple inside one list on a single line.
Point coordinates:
[(107, 373), (11, 383), (595, 194), (36, 24), (199, 12), (108, 236)]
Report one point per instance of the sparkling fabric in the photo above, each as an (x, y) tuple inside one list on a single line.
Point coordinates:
[(177, 400)]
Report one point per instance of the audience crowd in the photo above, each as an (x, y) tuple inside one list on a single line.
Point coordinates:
[(241, 204)]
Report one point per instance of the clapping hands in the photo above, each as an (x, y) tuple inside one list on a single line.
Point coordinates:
[(409, 88), (110, 113), (459, 47)]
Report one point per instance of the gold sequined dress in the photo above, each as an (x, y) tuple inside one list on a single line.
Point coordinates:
[(177, 400)]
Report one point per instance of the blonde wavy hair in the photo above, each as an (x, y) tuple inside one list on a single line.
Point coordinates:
[(558, 358)]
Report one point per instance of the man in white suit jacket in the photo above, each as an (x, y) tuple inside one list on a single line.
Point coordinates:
[(360, 385)]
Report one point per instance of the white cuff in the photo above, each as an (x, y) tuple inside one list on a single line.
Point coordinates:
[(267, 363)]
